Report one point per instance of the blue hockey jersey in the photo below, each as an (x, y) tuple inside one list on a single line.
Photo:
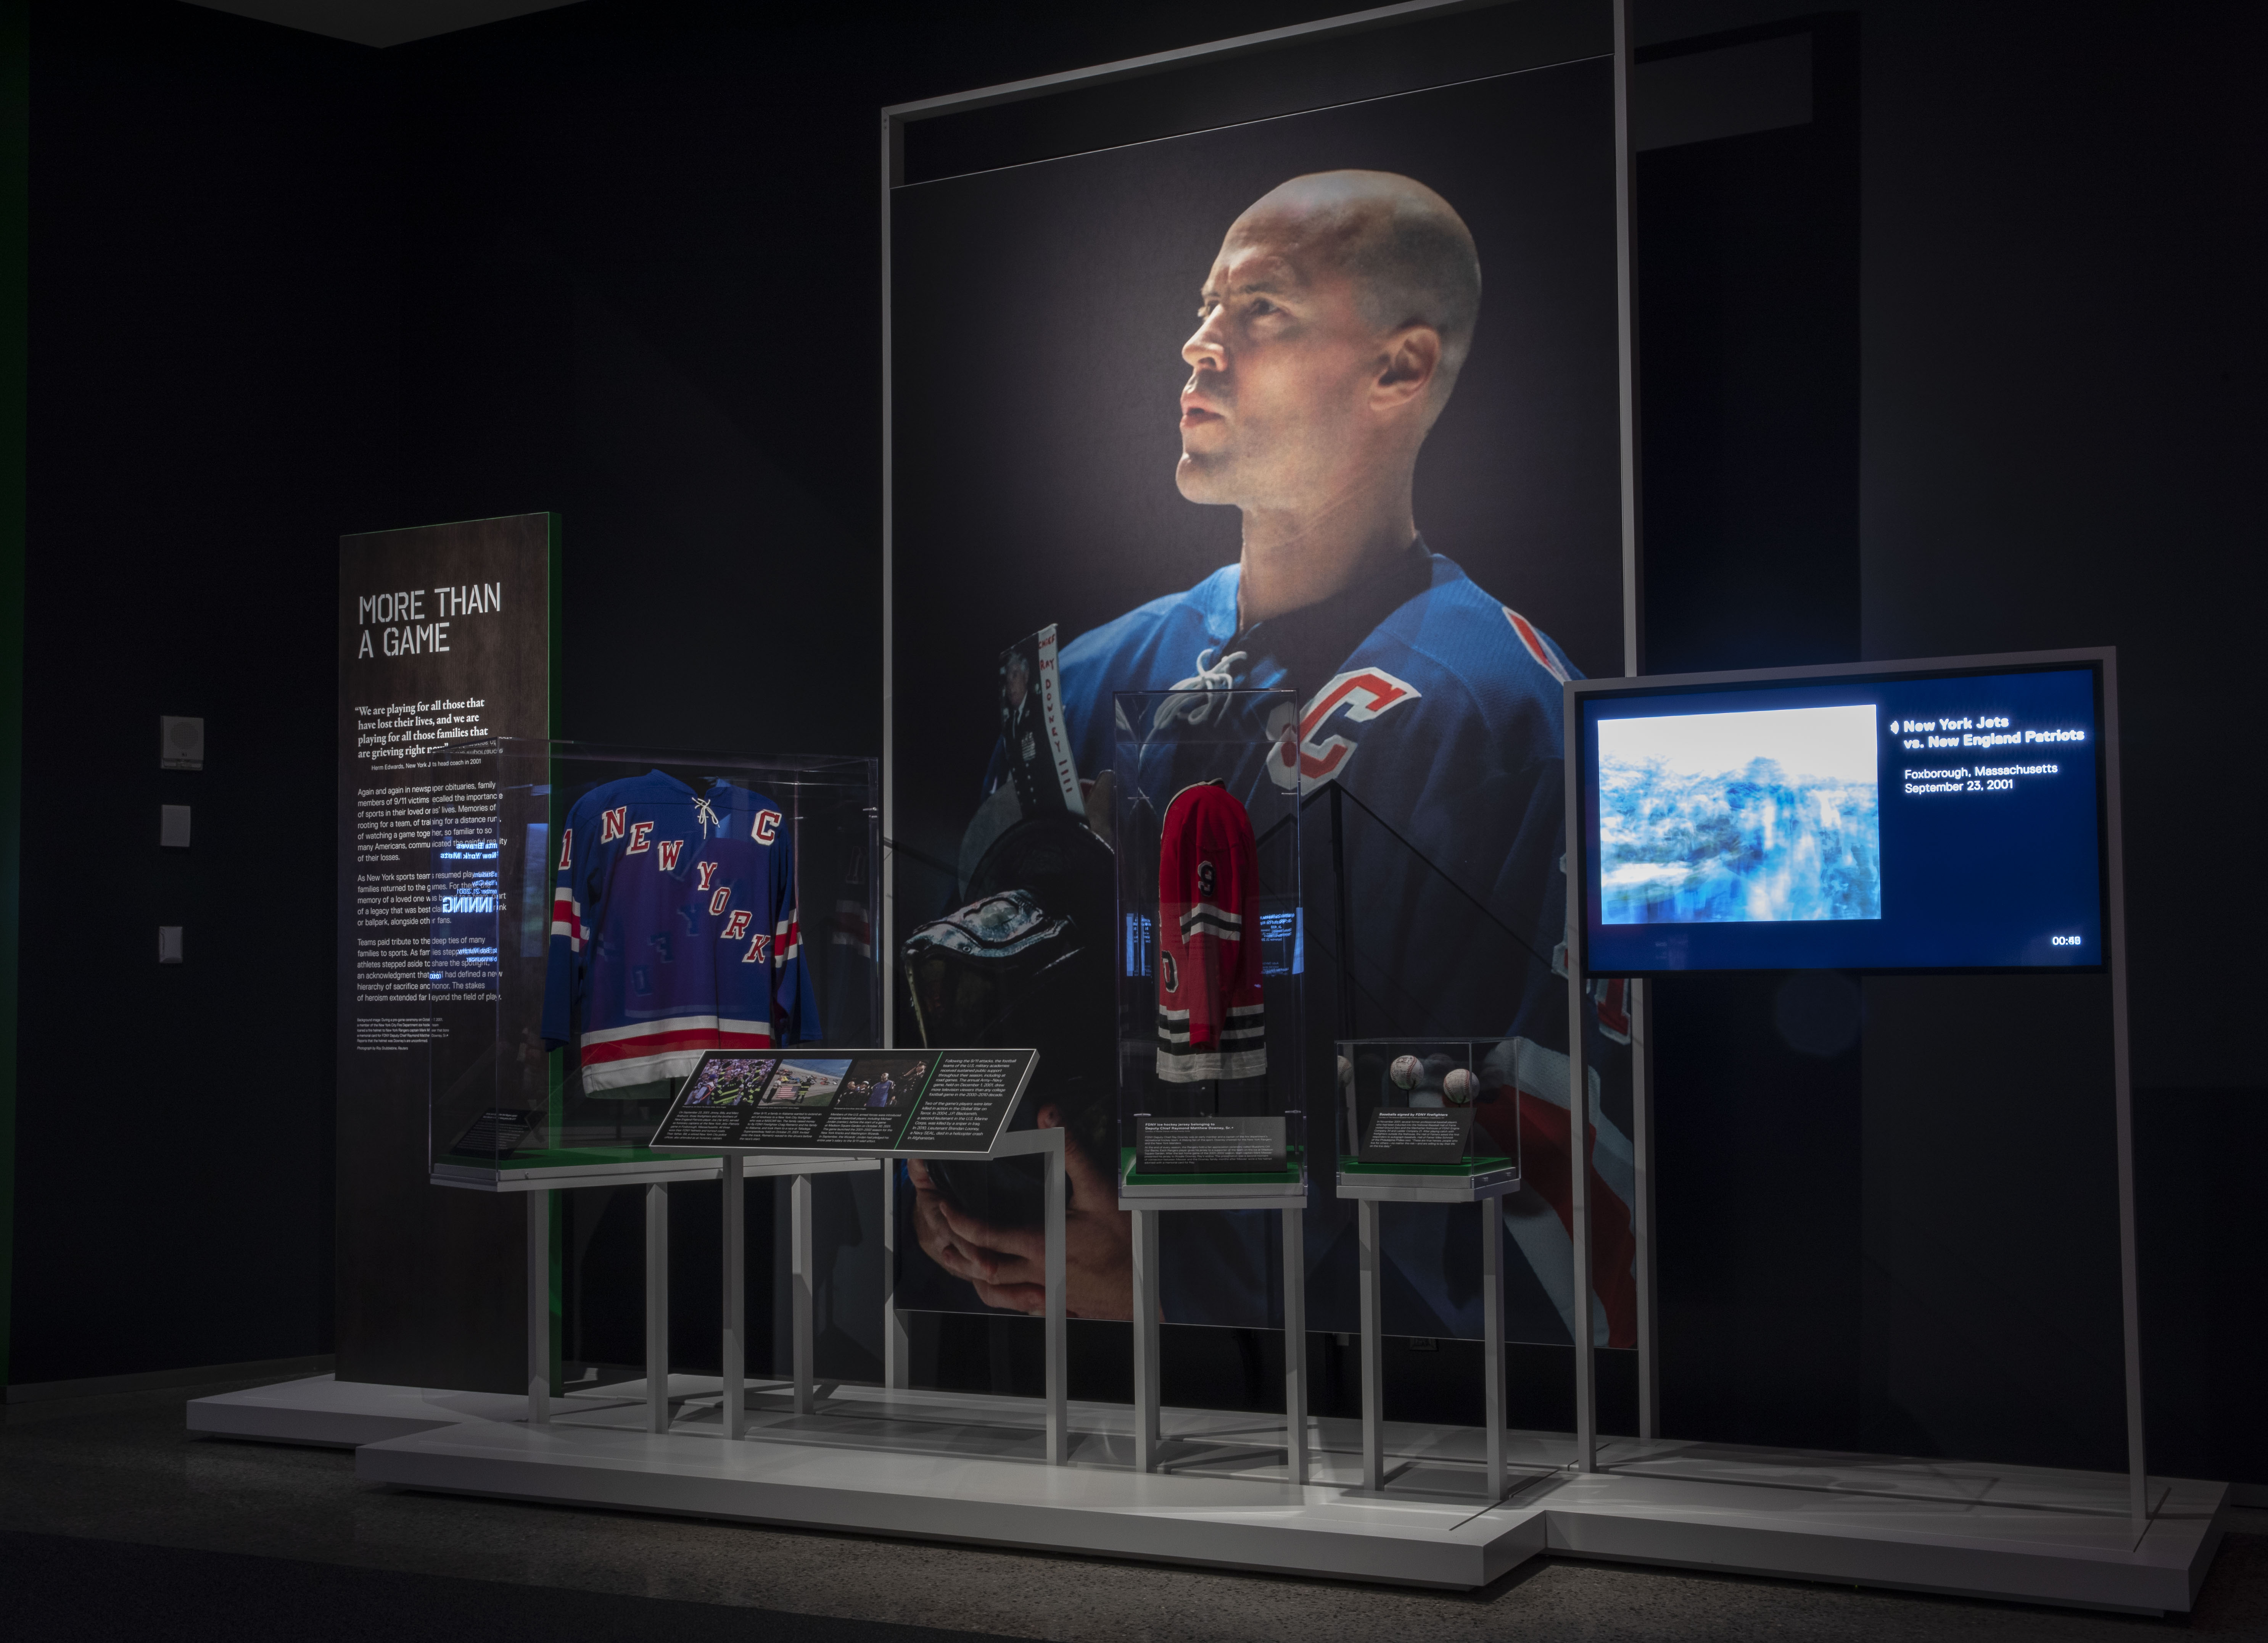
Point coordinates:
[(1427, 748), (1437, 711), (673, 931)]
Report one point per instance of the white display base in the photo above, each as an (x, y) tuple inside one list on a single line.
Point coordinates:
[(326, 1410), (967, 1468)]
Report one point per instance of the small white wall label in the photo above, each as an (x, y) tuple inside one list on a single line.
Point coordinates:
[(180, 743)]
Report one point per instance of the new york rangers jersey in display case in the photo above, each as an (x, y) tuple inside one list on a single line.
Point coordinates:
[(1212, 1022), (673, 931)]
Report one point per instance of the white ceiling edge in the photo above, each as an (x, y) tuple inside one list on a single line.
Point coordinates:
[(381, 22)]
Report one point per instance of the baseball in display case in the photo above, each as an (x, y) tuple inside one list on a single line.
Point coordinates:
[(1206, 805), (1428, 1113), (596, 920)]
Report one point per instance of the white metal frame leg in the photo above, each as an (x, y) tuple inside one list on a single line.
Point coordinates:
[(1374, 1354), (736, 1297), (1059, 1413), (801, 1279), (539, 1308), (656, 1306), (1295, 1345), (2122, 1090), (897, 1354), (1579, 1169), (1640, 1004), (1493, 1336), (1145, 1340)]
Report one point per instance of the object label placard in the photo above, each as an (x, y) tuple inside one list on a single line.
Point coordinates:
[(1418, 1135), (1201, 1145), (936, 1102)]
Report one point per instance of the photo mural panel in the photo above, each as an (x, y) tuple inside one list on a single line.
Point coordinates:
[(1326, 402)]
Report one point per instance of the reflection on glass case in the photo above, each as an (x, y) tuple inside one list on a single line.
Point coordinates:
[(1205, 806), (598, 918), (1439, 1108)]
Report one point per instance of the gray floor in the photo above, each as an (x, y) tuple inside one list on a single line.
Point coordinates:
[(121, 1469)]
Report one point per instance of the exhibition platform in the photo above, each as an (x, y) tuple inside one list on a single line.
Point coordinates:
[(971, 1469)]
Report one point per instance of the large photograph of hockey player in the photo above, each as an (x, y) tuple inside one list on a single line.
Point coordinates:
[(1326, 402)]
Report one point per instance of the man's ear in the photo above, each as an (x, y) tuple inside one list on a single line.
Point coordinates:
[(1413, 354)]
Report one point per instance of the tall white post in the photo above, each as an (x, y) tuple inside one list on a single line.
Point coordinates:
[(1493, 1336), (2130, 1304), (1640, 1005), (1295, 1345), (1145, 1340), (736, 1296), (799, 1282), (1059, 1367), (539, 1307), (1374, 1354), (656, 1306), (897, 1346)]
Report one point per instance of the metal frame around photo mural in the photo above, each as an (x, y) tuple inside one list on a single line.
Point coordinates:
[(894, 120)]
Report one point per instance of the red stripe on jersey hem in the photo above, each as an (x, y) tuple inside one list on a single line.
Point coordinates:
[(665, 1043)]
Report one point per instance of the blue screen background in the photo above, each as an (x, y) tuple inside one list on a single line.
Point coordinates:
[(1970, 878)]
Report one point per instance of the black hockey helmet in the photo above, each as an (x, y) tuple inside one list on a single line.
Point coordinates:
[(1026, 961)]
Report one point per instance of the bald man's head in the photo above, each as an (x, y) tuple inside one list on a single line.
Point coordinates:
[(1410, 253), (1331, 329)]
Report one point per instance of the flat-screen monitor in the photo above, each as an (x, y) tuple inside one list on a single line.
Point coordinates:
[(1923, 816)]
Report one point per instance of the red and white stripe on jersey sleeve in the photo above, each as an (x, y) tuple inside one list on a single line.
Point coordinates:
[(567, 919), (1534, 641), (787, 939)]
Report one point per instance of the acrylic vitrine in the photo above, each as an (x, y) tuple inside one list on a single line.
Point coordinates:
[(1210, 951), (586, 921), (1427, 1114)]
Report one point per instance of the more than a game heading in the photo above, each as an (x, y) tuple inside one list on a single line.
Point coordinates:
[(401, 623), (1985, 731)]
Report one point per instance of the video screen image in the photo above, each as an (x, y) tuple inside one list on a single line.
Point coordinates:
[(807, 1081), (728, 1082), (1747, 817), (1926, 822), (880, 1083)]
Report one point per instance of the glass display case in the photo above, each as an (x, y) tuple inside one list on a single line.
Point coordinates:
[(1427, 1113), (594, 918), (1205, 808)]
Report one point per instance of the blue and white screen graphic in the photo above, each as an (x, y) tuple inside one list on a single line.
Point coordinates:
[(1939, 822), (1755, 817)]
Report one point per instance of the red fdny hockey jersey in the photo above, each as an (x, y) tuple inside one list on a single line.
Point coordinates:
[(1212, 1023), (673, 931)]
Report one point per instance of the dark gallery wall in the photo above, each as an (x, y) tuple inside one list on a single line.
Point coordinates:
[(2062, 420), (623, 287), (1749, 265), (15, 278), (1906, 1244), (215, 315), (619, 261), (2063, 415), (654, 299)]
